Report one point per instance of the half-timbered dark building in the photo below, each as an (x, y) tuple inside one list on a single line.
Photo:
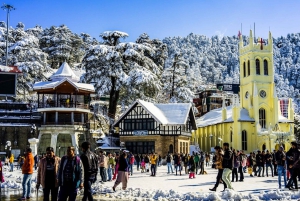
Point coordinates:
[(148, 127)]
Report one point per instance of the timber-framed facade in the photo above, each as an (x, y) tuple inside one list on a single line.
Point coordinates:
[(146, 127)]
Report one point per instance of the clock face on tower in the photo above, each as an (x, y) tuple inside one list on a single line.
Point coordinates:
[(247, 95), (262, 94)]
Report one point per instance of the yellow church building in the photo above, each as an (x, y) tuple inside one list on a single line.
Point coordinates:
[(257, 119)]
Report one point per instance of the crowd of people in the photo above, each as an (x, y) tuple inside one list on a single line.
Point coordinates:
[(63, 177), (233, 162)]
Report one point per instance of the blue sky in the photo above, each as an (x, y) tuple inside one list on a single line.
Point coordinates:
[(160, 18)]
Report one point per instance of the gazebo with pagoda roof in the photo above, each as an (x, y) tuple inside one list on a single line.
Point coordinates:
[(65, 105)]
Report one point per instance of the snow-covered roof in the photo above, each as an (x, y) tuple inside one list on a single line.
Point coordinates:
[(165, 114), (53, 84), (64, 71), (215, 117), (9, 69)]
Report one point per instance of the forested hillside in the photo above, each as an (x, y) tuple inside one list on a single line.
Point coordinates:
[(161, 71)]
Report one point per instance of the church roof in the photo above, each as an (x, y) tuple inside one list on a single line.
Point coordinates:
[(64, 71), (165, 114), (215, 117)]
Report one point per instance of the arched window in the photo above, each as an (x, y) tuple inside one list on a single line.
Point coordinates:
[(266, 67), (262, 118), (257, 64), (248, 67), (231, 136), (244, 140), (244, 69)]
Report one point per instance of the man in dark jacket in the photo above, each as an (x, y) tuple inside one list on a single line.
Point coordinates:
[(70, 176), (138, 161), (259, 162), (227, 165), (294, 155), (274, 162), (269, 159), (90, 164), (280, 158), (176, 159)]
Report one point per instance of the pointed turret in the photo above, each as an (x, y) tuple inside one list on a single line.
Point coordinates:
[(241, 42), (270, 40), (251, 40)]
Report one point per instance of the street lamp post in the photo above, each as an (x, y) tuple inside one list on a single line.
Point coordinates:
[(8, 8), (210, 137)]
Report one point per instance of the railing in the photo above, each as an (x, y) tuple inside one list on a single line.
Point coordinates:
[(63, 104), (63, 123)]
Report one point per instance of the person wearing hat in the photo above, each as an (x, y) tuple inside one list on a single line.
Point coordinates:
[(293, 156), (280, 158), (218, 163)]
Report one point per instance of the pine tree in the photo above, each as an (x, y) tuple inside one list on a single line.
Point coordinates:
[(117, 67), (26, 55), (175, 80), (61, 45)]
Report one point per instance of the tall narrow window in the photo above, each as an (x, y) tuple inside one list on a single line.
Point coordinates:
[(248, 67), (244, 69), (257, 64), (244, 140), (266, 67), (231, 136), (262, 118)]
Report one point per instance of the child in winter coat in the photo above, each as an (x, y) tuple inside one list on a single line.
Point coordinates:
[(192, 167), (143, 166)]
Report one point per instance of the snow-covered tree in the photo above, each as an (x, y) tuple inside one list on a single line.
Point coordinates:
[(175, 80), (61, 45), (25, 54), (117, 67)]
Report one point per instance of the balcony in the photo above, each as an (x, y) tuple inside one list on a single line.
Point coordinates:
[(63, 105)]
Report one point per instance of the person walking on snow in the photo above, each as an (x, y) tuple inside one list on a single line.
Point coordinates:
[(218, 163), (27, 170), (227, 165), (122, 172)]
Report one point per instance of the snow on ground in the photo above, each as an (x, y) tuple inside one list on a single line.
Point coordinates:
[(169, 187)]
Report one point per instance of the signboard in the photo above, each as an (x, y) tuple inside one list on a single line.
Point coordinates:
[(8, 84), (144, 132), (235, 88)]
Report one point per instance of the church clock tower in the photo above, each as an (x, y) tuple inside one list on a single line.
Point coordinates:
[(257, 87)]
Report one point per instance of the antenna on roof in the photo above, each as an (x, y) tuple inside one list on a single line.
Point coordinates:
[(242, 28), (254, 33)]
